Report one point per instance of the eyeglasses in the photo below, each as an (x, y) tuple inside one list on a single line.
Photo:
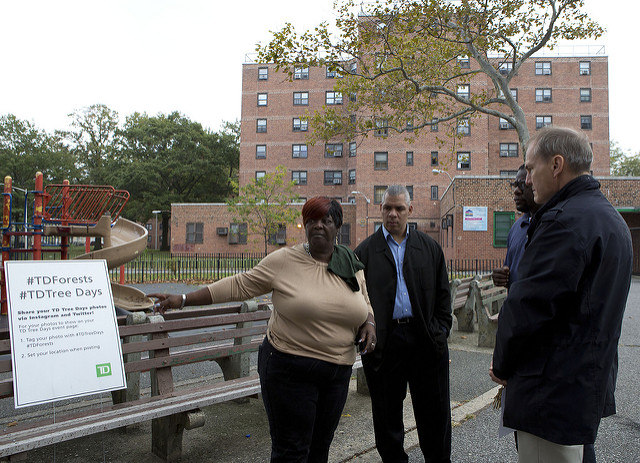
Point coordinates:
[(517, 184)]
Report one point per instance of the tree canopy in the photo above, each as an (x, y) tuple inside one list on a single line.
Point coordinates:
[(624, 164), (264, 204), (403, 61)]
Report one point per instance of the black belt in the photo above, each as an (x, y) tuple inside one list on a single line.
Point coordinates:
[(403, 321)]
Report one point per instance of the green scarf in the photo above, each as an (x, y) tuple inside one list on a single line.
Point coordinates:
[(345, 264)]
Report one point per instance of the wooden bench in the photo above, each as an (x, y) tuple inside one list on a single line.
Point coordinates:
[(156, 344), (461, 310), (488, 300)]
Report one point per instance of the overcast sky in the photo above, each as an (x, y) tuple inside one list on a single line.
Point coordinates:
[(165, 55)]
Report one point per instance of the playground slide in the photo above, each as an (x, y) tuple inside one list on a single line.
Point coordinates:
[(126, 240)]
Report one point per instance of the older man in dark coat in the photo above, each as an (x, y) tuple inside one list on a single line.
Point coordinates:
[(558, 330)]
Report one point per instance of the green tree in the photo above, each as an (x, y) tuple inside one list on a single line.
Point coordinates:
[(404, 62), (169, 158), (264, 204), (25, 150), (93, 141), (623, 164)]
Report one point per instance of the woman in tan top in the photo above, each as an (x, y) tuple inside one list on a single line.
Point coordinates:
[(320, 311)]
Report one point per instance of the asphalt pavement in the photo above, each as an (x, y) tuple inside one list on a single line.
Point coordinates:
[(238, 432)]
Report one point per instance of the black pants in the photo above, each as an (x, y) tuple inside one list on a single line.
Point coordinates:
[(303, 398), (406, 361)]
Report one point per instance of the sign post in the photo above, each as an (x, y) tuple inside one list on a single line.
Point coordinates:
[(64, 332)]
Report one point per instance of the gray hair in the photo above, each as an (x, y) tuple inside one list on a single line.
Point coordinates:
[(571, 144), (398, 190)]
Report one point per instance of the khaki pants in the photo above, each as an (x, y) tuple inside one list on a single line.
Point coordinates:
[(533, 449)]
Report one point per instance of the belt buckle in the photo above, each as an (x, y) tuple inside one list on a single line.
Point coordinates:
[(403, 321)]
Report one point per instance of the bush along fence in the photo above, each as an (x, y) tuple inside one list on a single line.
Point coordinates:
[(152, 268)]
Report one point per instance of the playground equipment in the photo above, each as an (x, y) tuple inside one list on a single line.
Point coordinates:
[(66, 210)]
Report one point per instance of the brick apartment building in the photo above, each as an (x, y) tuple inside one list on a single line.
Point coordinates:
[(474, 170)]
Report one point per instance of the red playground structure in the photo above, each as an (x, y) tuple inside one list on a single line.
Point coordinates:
[(64, 210)]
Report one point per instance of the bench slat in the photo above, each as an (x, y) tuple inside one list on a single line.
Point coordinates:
[(187, 340), (193, 323), (191, 356)]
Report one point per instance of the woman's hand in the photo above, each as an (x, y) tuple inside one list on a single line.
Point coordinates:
[(367, 336), (494, 378), (166, 301)]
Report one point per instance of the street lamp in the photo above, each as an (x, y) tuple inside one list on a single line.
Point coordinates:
[(440, 171), (367, 211), (156, 214)]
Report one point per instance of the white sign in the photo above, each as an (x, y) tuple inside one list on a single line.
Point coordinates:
[(64, 332), (474, 218)]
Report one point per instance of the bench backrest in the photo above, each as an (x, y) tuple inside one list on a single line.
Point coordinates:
[(178, 338)]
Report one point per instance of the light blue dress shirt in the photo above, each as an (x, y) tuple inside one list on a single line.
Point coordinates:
[(402, 304)]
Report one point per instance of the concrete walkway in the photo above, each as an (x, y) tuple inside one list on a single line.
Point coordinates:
[(239, 432)]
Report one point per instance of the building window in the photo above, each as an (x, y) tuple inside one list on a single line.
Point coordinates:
[(261, 151), (464, 62), (585, 68), (434, 158), (333, 150), (299, 151), (502, 222), (237, 233), (382, 128), (508, 173), (509, 150), (352, 148), (378, 193), (262, 99), (333, 98), (333, 177), (260, 175), (344, 234), (299, 177), (543, 68), (194, 232), (300, 98), (434, 125), (409, 158), (301, 73), (505, 124), (434, 193), (263, 73), (410, 190), (409, 126), (261, 126), (585, 95), (505, 68), (543, 121), (353, 97), (279, 237), (381, 161), (585, 122), (331, 73), (352, 176), (464, 91), (300, 125), (543, 95), (464, 127), (464, 160), (514, 93)]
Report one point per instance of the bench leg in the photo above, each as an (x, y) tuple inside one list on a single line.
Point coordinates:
[(166, 433)]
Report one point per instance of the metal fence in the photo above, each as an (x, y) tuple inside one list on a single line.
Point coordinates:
[(152, 267), (460, 268)]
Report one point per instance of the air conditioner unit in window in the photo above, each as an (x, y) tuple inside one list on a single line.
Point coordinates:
[(337, 181), (222, 231), (584, 72)]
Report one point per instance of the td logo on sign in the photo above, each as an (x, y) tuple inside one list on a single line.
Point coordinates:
[(104, 369)]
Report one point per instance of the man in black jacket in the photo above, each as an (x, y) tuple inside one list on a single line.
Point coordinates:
[(409, 291), (559, 327)]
